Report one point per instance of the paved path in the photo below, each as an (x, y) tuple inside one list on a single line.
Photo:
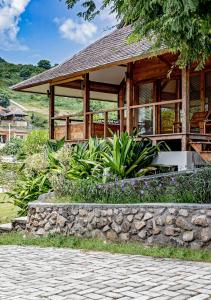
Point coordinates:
[(61, 274)]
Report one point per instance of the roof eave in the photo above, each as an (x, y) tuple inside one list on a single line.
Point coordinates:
[(80, 73)]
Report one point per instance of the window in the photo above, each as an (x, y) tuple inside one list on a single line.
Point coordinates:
[(145, 114), (168, 92), (194, 94)]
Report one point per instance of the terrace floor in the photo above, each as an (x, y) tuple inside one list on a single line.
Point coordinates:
[(29, 273)]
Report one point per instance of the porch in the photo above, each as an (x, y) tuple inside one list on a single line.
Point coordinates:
[(150, 96)]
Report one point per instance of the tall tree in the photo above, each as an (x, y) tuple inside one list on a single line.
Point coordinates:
[(183, 26), (44, 64)]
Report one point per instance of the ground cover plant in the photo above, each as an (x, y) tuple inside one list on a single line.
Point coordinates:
[(194, 187), (100, 245), (98, 171), (97, 161)]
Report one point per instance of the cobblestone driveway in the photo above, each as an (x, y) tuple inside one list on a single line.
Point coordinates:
[(62, 274)]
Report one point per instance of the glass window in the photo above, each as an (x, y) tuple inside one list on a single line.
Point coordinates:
[(194, 94), (145, 114), (168, 89), (145, 120), (146, 93)]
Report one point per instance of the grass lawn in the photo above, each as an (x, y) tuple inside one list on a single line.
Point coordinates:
[(99, 245), (7, 210)]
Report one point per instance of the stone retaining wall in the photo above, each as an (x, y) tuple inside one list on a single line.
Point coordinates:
[(165, 224)]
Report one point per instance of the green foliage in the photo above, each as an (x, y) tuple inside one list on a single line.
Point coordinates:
[(35, 142), (34, 174), (44, 64), (12, 147), (4, 99), (174, 188), (38, 120), (102, 160), (86, 160), (182, 26), (126, 158), (134, 248), (27, 190)]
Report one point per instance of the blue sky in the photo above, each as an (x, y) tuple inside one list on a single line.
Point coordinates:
[(31, 30)]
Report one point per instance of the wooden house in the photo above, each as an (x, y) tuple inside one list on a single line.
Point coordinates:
[(151, 94), (12, 124)]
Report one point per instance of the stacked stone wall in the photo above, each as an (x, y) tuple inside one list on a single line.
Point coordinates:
[(152, 224)]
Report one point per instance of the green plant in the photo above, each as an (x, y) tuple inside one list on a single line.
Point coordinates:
[(126, 158), (12, 147), (35, 142), (86, 160), (194, 187), (28, 189), (182, 26)]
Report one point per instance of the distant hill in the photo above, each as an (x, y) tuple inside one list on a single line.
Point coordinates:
[(37, 105)]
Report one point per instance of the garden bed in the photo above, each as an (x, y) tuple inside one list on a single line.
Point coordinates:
[(187, 225)]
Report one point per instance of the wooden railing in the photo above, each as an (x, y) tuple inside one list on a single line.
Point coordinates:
[(79, 117)]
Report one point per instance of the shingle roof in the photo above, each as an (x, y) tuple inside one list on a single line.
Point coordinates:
[(107, 50)]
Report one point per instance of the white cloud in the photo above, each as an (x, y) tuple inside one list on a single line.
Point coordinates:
[(81, 33), (10, 12)]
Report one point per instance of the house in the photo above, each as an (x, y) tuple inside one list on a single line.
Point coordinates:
[(12, 124), (151, 95)]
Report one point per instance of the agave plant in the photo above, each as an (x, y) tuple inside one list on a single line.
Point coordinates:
[(127, 158)]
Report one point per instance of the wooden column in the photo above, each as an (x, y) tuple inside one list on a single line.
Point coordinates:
[(154, 109), (177, 108), (202, 91), (121, 112), (105, 124), (185, 107), (90, 125), (158, 108), (67, 129), (51, 95), (129, 97), (86, 105)]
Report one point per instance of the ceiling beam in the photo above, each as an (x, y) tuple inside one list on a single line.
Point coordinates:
[(94, 86)]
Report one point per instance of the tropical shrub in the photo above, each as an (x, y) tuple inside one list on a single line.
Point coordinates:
[(27, 190), (189, 187), (35, 142), (126, 158), (34, 177), (12, 147)]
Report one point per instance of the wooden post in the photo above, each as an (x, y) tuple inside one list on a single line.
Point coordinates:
[(121, 112), (177, 108), (67, 128), (129, 97), (86, 105), (154, 109), (105, 124), (90, 125), (202, 91), (185, 107), (158, 109), (51, 95)]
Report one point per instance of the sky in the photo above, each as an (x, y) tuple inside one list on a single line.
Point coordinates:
[(31, 30)]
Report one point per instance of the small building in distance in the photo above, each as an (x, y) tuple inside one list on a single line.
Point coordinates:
[(13, 123)]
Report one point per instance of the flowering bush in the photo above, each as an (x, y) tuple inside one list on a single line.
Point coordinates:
[(192, 187)]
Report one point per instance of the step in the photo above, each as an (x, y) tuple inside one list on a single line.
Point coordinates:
[(4, 228), (19, 224)]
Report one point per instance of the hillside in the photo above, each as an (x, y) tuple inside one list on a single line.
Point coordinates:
[(35, 104)]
